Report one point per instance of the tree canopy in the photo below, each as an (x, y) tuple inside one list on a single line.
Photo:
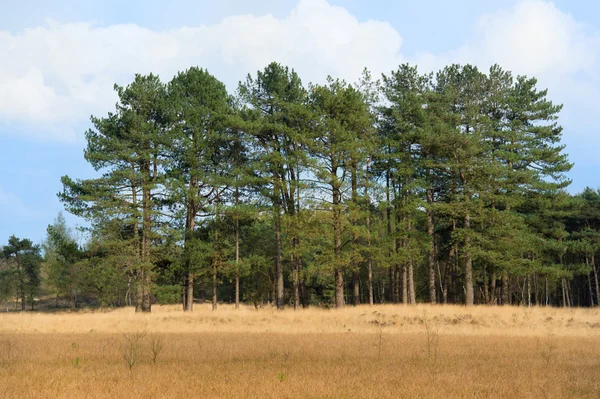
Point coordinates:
[(441, 187)]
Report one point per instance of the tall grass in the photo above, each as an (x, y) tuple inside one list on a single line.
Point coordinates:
[(479, 352)]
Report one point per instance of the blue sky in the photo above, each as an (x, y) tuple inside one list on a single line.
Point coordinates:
[(59, 60)]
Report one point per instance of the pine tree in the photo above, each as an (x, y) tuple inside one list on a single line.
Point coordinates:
[(200, 106), (128, 146), (26, 260), (61, 256), (341, 115), (275, 116)]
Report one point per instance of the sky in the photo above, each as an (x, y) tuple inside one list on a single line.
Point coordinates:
[(59, 61)]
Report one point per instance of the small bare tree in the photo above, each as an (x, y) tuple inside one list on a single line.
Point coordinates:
[(131, 348), (432, 337), (380, 323), (156, 347)]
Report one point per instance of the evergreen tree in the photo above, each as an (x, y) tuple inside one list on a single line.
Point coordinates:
[(275, 117), (61, 257), (26, 261), (340, 116), (200, 106), (128, 147)]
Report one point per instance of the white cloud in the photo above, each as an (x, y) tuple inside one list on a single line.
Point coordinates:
[(534, 37), (54, 76)]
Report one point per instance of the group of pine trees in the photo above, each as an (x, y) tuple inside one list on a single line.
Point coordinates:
[(441, 188)]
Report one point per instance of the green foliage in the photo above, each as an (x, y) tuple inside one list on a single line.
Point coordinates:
[(449, 184), (167, 294), (24, 261), (62, 262)]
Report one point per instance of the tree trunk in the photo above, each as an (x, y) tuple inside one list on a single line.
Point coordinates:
[(137, 271), (431, 252), (368, 221), (591, 292), (405, 298), (369, 261), (393, 286), (443, 278), (302, 287), (354, 214), (339, 288), (412, 299), (469, 294), (237, 290), (295, 285), (411, 282), (215, 263), (448, 276), (505, 289), (278, 259), (189, 280), (493, 290), (391, 249), (139, 295), (370, 282), (529, 290), (237, 249), (596, 280), (145, 305), (337, 239), (355, 288), (536, 289), (486, 293), (71, 298), (568, 290), (405, 264), (237, 271), (214, 286)]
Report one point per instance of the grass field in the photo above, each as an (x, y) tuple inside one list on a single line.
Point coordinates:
[(359, 352)]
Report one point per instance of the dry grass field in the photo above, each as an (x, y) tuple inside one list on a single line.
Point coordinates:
[(359, 352)]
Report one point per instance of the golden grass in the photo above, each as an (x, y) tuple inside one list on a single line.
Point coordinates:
[(363, 352)]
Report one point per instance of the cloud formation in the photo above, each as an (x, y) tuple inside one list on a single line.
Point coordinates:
[(56, 75), (536, 38)]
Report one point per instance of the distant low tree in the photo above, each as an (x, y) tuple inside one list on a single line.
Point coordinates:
[(61, 257), (8, 279), (26, 260)]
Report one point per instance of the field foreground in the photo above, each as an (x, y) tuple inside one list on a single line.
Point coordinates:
[(361, 352)]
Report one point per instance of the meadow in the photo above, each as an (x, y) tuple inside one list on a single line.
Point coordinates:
[(382, 351)]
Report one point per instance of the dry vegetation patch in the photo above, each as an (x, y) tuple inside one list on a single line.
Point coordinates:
[(362, 352)]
